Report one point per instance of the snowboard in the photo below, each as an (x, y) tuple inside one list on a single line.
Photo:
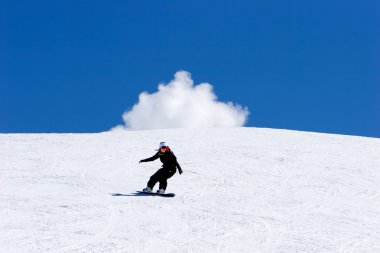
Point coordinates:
[(158, 194)]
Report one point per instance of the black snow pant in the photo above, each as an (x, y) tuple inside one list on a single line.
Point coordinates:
[(161, 176)]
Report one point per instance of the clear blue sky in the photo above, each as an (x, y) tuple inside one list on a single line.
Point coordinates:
[(76, 66)]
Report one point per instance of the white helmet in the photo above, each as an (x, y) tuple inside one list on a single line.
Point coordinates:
[(162, 145)]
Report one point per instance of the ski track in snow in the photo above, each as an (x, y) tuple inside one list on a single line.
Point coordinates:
[(112, 218), (243, 190)]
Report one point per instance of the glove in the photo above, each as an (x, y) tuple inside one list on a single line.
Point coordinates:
[(180, 171)]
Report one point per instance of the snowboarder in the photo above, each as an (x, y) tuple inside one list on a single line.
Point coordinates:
[(169, 168)]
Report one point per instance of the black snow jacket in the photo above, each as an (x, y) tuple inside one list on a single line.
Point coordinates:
[(168, 159)]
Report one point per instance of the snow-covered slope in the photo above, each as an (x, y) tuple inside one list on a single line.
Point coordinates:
[(243, 190)]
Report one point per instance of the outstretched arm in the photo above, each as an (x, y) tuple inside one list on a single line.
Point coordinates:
[(150, 159)]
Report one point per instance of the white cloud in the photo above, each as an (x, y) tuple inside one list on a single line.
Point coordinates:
[(181, 104)]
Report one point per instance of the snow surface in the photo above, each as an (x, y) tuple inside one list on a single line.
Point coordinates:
[(243, 190)]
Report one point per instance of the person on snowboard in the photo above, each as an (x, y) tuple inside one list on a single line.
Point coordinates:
[(169, 168)]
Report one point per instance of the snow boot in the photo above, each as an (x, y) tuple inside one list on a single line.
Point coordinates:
[(147, 189), (161, 191)]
